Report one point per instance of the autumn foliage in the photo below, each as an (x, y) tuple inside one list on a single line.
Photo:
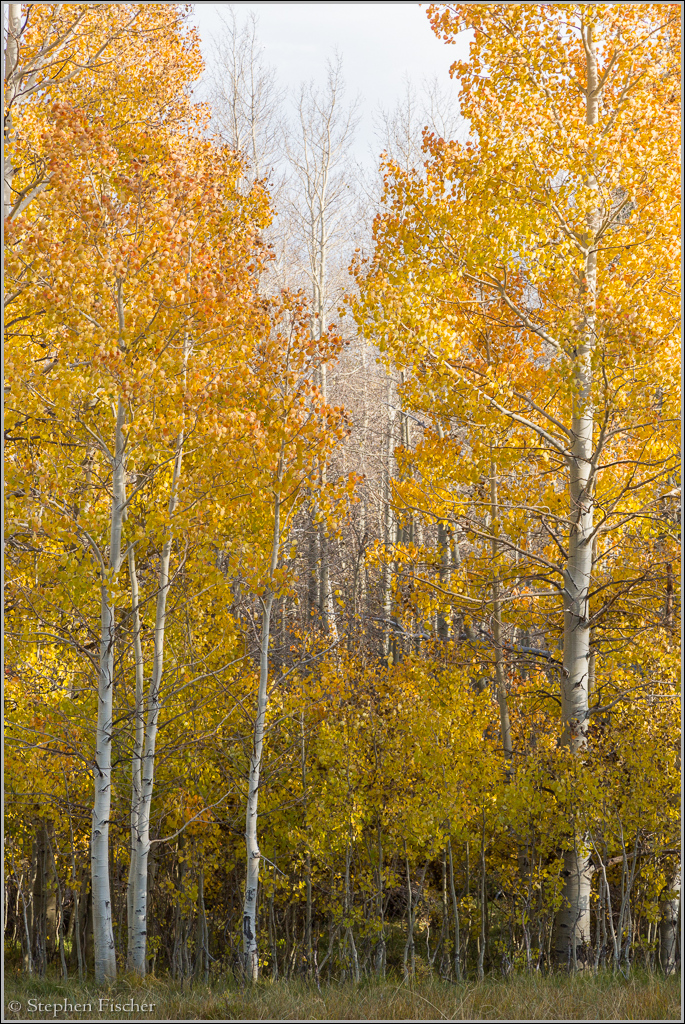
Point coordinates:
[(477, 722)]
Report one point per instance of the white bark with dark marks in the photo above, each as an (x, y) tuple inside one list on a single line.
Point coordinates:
[(250, 948), (103, 934), (141, 837), (572, 926), (669, 930)]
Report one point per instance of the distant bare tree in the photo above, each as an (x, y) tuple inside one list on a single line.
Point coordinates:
[(398, 132), (245, 98), (320, 195)]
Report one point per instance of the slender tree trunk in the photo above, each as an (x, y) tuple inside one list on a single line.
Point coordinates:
[(483, 906), (272, 932), (318, 260), (136, 959), (11, 67), (313, 589), (308, 918), (103, 934), (347, 905), (40, 898), (308, 857), (455, 909), (670, 597), (327, 599), (326, 592), (250, 950), (408, 959), (60, 910), (86, 901), (669, 938), (252, 845), (361, 570), (500, 667), (202, 934), (598, 921), (444, 554), (445, 923), (359, 580), (627, 880), (137, 758), (75, 923), (388, 533), (28, 959), (380, 946), (572, 926), (406, 534)]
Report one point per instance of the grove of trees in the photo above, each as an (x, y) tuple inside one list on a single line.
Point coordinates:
[(342, 512)]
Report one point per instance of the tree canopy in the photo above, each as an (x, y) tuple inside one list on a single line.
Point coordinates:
[(342, 523)]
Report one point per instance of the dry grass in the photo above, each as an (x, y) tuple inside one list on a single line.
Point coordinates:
[(560, 997)]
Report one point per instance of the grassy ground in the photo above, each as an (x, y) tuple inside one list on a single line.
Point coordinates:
[(561, 997)]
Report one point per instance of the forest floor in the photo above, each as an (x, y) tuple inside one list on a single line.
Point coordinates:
[(642, 996)]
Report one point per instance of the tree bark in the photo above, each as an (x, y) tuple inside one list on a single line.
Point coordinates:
[(380, 945), (388, 534), (455, 908), (483, 906), (313, 588), (137, 758), (500, 667), (28, 958), (325, 590), (572, 926), (444, 554), (669, 937), (103, 934), (40, 899), (202, 933), (60, 910), (408, 959), (250, 949), (11, 67), (136, 958)]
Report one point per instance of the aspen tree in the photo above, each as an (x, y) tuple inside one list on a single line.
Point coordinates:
[(75, 53), (245, 99), (562, 211), (319, 199), (298, 432), (102, 258)]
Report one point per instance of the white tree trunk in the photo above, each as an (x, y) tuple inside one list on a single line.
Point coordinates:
[(455, 910), (388, 532), (314, 588), (250, 949), (136, 760), (11, 68), (500, 667), (103, 935), (572, 924), (573, 920), (360, 607), (669, 929), (140, 839), (323, 194), (445, 557), (327, 603)]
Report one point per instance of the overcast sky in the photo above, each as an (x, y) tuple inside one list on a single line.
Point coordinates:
[(380, 44)]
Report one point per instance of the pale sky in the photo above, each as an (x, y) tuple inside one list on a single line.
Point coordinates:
[(381, 44)]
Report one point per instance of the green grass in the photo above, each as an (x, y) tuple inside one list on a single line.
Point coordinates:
[(523, 997)]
